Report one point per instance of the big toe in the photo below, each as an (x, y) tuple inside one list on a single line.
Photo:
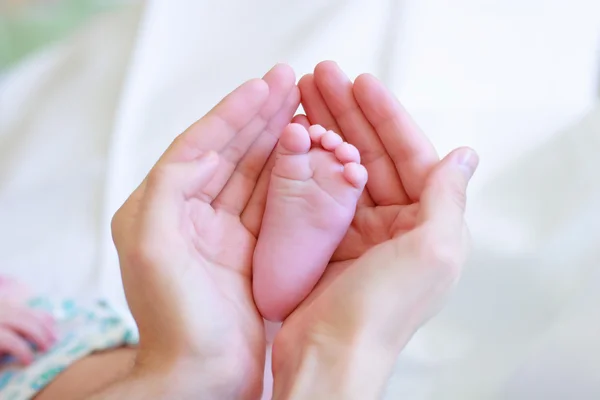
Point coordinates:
[(294, 140)]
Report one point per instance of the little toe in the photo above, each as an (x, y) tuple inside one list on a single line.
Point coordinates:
[(294, 140), (331, 140), (347, 153), (316, 132), (356, 175)]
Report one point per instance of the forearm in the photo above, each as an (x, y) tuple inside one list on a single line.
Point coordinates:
[(357, 372)]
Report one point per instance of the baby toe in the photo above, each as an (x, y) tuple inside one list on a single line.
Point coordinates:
[(294, 140), (331, 140), (356, 175), (316, 132), (347, 153)]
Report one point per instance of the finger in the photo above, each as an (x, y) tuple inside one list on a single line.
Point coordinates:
[(281, 82), (302, 120), (385, 186), (28, 324), (48, 323), (409, 149), (236, 194), (16, 346), (317, 113), (219, 126), (252, 215), (443, 199), (314, 105)]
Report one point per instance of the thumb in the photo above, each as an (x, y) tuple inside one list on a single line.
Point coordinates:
[(185, 179), (168, 186), (444, 197)]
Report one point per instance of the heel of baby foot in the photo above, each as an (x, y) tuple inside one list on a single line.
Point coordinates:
[(356, 174)]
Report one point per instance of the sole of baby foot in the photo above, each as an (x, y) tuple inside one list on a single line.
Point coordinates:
[(315, 185)]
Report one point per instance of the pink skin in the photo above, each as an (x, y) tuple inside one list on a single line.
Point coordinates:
[(21, 325), (315, 185), (11, 289)]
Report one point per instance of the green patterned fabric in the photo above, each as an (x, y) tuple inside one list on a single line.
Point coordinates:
[(82, 330)]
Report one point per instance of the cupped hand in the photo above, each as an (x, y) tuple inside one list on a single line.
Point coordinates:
[(186, 236), (407, 242), (23, 330)]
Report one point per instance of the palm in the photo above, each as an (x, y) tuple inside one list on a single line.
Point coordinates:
[(222, 253), (224, 247), (373, 225), (397, 156), (219, 222), (369, 117)]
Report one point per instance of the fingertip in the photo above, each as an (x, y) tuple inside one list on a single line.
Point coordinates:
[(444, 196), (330, 77), (50, 327), (366, 78), (25, 360), (325, 66), (466, 159), (22, 352), (370, 91), (305, 81), (283, 69), (258, 86)]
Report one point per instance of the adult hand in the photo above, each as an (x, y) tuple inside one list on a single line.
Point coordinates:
[(401, 255), (186, 236)]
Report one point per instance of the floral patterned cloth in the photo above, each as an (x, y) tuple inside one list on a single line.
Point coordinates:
[(81, 331)]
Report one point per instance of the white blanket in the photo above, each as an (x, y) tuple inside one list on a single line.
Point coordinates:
[(82, 122)]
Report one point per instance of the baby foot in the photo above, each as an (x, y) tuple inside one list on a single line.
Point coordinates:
[(315, 185)]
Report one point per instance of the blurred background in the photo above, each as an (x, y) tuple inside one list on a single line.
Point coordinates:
[(30, 25), (91, 92)]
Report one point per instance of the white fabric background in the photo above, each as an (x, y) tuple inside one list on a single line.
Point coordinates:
[(82, 122)]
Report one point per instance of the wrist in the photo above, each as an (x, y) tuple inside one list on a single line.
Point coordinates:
[(334, 370), (172, 379), (192, 378)]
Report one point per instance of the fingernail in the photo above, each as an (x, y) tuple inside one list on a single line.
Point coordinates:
[(468, 161)]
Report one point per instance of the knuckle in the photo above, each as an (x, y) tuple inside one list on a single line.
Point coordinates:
[(454, 191), (444, 256), (140, 254), (158, 176), (451, 189), (458, 196)]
